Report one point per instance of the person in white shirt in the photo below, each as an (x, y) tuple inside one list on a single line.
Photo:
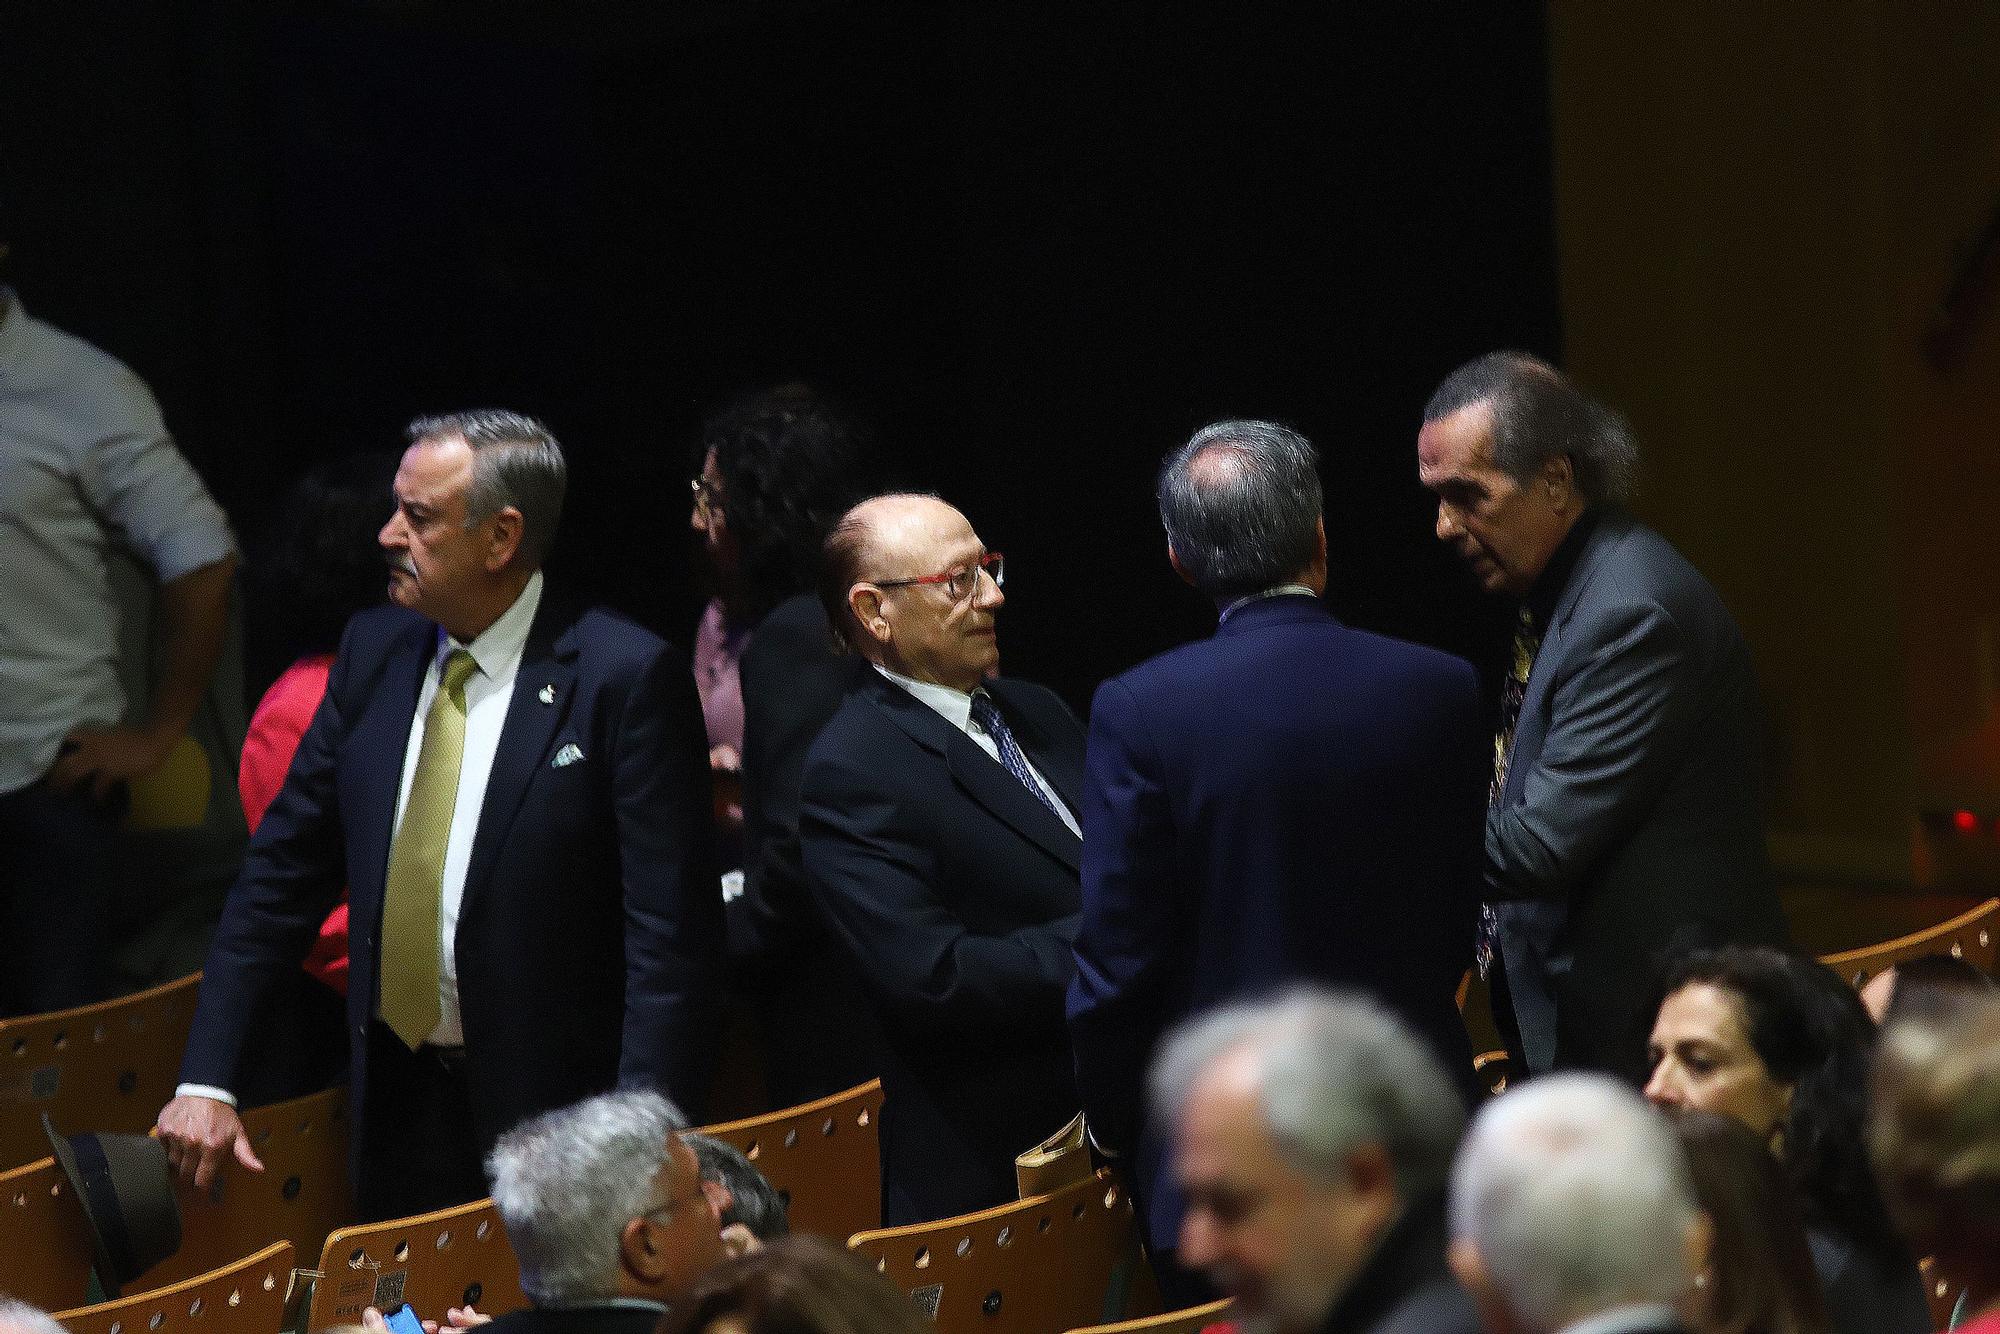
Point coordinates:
[(516, 793)]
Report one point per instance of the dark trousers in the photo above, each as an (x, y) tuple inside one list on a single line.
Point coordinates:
[(418, 1150), (59, 867)]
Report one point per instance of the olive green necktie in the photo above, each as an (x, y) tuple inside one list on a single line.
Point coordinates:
[(413, 900)]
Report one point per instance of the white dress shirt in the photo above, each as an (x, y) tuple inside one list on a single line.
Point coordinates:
[(955, 707), (497, 652)]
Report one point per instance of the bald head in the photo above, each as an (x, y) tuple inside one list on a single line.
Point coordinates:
[(902, 587)]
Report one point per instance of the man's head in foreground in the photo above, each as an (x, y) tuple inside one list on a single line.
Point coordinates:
[(1303, 1127), (1571, 1198), (604, 1199)]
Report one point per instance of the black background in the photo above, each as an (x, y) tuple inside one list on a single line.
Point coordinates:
[(1037, 243)]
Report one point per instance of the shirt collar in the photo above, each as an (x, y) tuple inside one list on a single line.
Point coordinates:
[(1549, 584), (954, 706), (498, 649), (1281, 591), (1625, 1319)]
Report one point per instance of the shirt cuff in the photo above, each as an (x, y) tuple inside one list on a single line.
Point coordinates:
[(209, 1091)]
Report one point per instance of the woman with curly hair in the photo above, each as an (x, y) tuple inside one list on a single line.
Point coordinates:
[(1779, 1042)]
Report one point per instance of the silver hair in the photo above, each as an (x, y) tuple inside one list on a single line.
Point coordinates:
[(1336, 1071), (1577, 1199), (17, 1317), (515, 462), (567, 1182), (1241, 505)]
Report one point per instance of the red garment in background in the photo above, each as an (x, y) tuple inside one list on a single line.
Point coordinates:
[(276, 728)]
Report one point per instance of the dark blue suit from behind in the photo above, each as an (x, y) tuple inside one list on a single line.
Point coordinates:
[(1289, 801)]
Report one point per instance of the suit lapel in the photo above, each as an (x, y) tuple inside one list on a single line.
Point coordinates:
[(981, 777), (383, 735), (535, 714), (1533, 722)]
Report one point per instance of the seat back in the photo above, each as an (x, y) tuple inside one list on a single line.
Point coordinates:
[(1187, 1320), (824, 1157), (301, 1195), (454, 1257), (1973, 936), (1050, 1262), (245, 1297), (1493, 1069), (44, 1241), (104, 1067)]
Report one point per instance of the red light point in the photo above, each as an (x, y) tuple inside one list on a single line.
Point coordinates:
[(1965, 822)]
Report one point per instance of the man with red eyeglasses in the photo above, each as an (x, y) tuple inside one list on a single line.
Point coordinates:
[(939, 831)]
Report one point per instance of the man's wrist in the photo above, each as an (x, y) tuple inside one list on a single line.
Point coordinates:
[(209, 1091)]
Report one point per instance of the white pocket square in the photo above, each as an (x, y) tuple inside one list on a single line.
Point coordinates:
[(569, 754)]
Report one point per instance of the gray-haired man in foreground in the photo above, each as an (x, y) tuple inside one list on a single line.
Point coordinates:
[(1572, 1212), (1312, 1137)]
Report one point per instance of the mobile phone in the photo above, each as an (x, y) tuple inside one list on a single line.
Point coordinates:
[(404, 1321)]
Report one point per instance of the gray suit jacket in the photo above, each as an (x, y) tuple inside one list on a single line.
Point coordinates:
[(1631, 823)]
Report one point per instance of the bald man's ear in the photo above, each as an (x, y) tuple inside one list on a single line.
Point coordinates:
[(865, 601), (1174, 559), (1559, 476)]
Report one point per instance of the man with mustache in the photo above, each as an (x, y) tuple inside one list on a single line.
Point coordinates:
[(516, 792), (938, 828)]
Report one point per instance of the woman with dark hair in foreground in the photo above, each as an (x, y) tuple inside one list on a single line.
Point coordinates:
[(1759, 1277), (1779, 1042)]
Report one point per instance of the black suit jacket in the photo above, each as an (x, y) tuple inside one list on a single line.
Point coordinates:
[(590, 929), (1406, 1287), (820, 1034), (1632, 820), (954, 890), (606, 1319), (1289, 801)]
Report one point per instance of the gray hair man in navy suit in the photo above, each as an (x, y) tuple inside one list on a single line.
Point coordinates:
[(1289, 800)]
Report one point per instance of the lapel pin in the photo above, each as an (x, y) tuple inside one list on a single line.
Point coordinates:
[(548, 695), (567, 756)]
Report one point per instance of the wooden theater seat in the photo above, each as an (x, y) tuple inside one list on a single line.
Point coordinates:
[(1188, 1320), (246, 1297), (1973, 936), (454, 1257), (1050, 1262), (301, 1195), (44, 1242), (1493, 1069), (824, 1157), (109, 1066)]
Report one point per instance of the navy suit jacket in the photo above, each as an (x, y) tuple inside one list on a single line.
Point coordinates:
[(591, 925), (1632, 821), (1289, 801), (954, 893)]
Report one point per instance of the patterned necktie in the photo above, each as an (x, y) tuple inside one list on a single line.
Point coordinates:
[(987, 715), (413, 899), (1526, 644)]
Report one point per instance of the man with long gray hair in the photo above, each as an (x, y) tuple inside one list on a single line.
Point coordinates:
[(1312, 1136), (1290, 799), (1572, 1211), (1624, 817), (514, 790)]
